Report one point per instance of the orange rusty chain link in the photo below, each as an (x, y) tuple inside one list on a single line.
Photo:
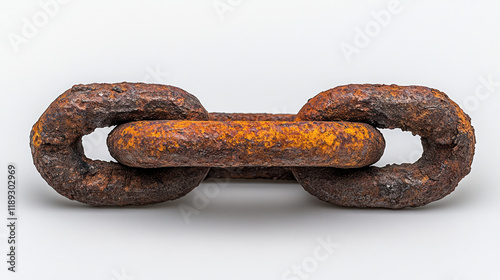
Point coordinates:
[(166, 143), (151, 144)]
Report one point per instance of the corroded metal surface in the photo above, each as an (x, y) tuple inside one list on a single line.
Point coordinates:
[(446, 133), (268, 173), (251, 117), (58, 153), (152, 144)]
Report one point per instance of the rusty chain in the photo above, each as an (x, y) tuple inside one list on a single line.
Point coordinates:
[(166, 143)]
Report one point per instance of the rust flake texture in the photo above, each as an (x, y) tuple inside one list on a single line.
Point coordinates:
[(446, 133), (58, 155), (244, 172), (151, 144)]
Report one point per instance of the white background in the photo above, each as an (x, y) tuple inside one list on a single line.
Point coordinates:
[(255, 56)]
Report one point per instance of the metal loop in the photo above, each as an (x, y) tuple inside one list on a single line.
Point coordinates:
[(446, 133), (58, 154)]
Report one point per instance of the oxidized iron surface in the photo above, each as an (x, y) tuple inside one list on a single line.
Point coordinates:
[(151, 144), (270, 173), (251, 117), (58, 154), (446, 133)]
